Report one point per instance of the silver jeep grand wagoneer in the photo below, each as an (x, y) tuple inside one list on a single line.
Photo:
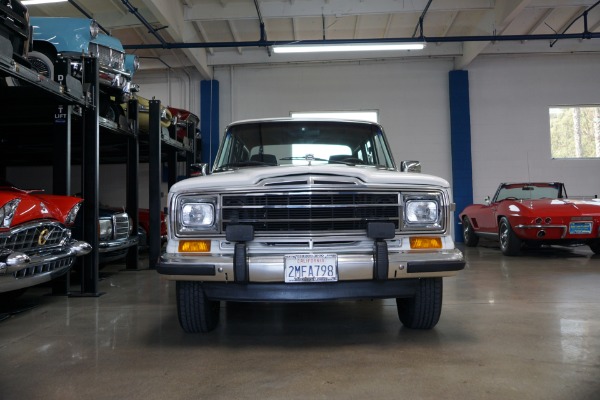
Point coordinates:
[(309, 210)]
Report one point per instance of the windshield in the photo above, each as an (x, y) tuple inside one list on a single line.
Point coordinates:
[(270, 143), (530, 191)]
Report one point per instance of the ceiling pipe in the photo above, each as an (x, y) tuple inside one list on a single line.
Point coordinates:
[(144, 21), (441, 39)]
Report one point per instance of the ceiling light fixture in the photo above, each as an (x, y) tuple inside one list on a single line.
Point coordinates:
[(330, 47), (33, 2)]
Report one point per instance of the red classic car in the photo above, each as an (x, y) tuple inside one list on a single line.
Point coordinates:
[(144, 222), (533, 214), (35, 238), (182, 118)]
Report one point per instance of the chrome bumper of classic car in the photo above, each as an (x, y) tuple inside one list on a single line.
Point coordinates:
[(19, 270), (104, 247)]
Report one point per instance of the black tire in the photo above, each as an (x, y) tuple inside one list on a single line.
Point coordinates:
[(510, 244), (42, 63), (424, 309), (595, 246), (196, 313), (471, 239)]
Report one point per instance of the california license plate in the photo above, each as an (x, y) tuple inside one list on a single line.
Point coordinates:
[(580, 228), (310, 268)]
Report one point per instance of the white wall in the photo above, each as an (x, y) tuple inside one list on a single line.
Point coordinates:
[(510, 128), (410, 96)]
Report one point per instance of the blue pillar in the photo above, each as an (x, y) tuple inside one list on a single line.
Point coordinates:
[(209, 120), (460, 132)]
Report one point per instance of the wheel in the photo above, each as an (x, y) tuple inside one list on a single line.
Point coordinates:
[(595, 246), (196, 313), (510, 244), (423, 310), (42, 64), (471, 239)]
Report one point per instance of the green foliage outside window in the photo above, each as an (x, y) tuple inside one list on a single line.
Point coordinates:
[(575, 132)]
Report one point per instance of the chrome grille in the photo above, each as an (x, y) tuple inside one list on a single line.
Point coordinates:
[(107, 56), (32, 237), (310, 211), (44, 267), (121, 224)]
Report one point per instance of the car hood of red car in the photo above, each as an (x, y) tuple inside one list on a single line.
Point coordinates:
[(553, 206), (37, 206)]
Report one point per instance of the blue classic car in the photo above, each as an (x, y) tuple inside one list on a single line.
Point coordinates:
[(58, 37)]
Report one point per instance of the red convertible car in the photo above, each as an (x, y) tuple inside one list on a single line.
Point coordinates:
[(533, 214), (35, 238)]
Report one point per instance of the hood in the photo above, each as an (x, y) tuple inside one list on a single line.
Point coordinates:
[(570, 206), (311, 176), (38, 206)]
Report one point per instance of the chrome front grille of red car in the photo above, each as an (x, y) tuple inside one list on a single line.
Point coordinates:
[(45, 267), (33, 237)]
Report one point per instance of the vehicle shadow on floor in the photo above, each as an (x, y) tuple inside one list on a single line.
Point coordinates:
[(313, 325)]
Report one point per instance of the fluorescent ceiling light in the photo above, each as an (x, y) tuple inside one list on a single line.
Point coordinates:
[(33, 2), (328, 47)]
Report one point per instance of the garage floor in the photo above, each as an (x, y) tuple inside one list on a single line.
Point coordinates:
[(524, 327)]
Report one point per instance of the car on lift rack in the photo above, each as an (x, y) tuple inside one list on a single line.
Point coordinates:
[(14, 32), (35, 238), (532, 214), (69, 38)]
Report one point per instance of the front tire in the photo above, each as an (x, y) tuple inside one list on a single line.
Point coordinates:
[(424, 309), (510, 244), (197, 314), (42, 64), (595, 246), (471, 239)]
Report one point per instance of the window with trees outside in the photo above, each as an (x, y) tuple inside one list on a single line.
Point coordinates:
[(575, 132)]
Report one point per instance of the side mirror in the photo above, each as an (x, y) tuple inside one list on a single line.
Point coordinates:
[(410, 166), (200, 169), (487, 200)]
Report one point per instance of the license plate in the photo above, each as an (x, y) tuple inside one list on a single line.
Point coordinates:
[(580, 228), (310, 268)]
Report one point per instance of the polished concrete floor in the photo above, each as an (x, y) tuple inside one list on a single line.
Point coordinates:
[(522, 328)]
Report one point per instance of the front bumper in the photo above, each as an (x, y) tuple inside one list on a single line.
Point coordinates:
[(24, 271), (261, 277)]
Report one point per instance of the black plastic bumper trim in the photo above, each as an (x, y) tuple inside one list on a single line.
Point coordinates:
[(200, 269), (297, 292), (415, 267)]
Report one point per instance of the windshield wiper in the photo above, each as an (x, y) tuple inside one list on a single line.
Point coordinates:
[(241, 164)]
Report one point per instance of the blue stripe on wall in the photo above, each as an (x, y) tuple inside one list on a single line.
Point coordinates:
[(209, 120), (460, 132)]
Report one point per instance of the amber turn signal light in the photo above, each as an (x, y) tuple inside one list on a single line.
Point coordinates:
[(194, 246), (425, 242)]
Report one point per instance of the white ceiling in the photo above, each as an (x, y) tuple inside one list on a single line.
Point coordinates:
[(222, 32)]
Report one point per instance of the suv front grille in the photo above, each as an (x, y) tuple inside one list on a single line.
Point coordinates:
[(310, 211), (33, 237)]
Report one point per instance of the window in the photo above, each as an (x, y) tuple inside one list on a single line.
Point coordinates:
[(575, 132)]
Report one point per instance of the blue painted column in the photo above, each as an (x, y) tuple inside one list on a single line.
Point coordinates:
[(460, 133), (209, 120)]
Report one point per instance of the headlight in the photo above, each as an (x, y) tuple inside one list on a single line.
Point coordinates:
[(70, 220), (196, 214), (105, 229), (7, 213), (136, 63), (423, 211), (94, 29)]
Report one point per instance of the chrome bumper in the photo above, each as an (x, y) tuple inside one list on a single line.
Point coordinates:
[(20, 270)]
